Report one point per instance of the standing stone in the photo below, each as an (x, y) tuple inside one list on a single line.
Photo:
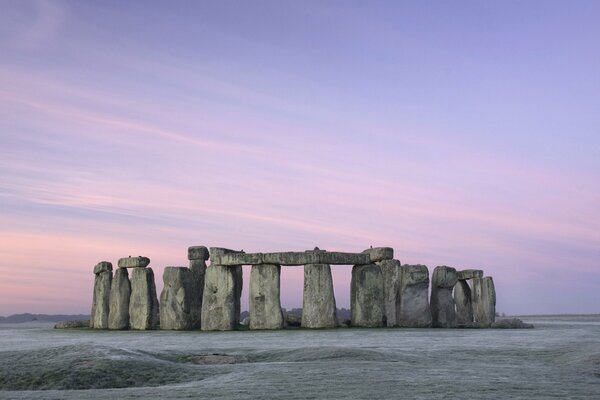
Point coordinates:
[(120, 291), (318, 303), (265, 305), (484, 302), (197, 256), (221, 298), (392, 276), (464, 307), (143, 304), (176, 299), (443, 312), (366, 296), (101, 299), (414, 310)]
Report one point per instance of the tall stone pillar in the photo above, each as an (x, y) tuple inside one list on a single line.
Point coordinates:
[(197, 256), (463, 296), (392, 277), (414, 310), (443, 309), (221, 297), (318, 303), (101, 299), (120, 292), (484, 302), (366, 296), (143, 303), (265, 304), (176, 299)]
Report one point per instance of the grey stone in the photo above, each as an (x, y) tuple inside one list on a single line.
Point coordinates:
[(366, 296), (231, 257), (484, 302), (198, 268), (292, 320), (380, 253), (511, 323), (265, 305), (198, 253), (392, 281), (464, 306), (101, 298), (318, 301), (469, 274), (413, 308), (221, 297), (134, 262), (443, 308), (176, 299), (78, 323), (120, 292), (143, 304)]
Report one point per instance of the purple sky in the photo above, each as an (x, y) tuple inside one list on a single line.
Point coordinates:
[(464, 134)]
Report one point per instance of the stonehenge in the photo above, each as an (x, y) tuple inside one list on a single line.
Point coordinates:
[(383, 292)]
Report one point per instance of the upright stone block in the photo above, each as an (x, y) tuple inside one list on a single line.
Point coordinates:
[(265, 305), (143, 304), (484, 302), (443, 309), (318, 303), (392, 277), (414, 310), (120, 292), (101, 298), (197, 256), (176, 299), (366, 296), (221, 297), (464, 307)]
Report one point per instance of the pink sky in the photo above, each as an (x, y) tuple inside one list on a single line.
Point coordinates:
[(280, 127)]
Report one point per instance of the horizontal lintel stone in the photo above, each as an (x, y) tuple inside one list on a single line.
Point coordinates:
[(469, 274), (134, 262), (198, 253), (291, 258), (102, 266), (380, 253)]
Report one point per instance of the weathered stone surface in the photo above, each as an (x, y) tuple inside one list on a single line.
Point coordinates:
[(120, 292), (469, 274), (198, 268), (134, 262), (484, 302), (176, 299), (221, 297), (413, 308), (318, 303), (265, 305), (198, 253), (464, 306), (102, 266), (292, 320), (380, 253), (392, 281), (511, 323), (220, 251), (78, 323), (101, 298), (143, 304), (366, 296), (288, 258), (443, 309)]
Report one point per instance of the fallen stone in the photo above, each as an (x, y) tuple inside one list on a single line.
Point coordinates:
[(469, 274), (80, 323), (176, 299), (464, 306), (221, 297), (292, 320), (143, 304), (443, 308), (198, 268), (198, 253), (366, 296), (265, 305), (380, 253), (484, 302), (392, 281), (318, 299), (413, 308), (101, 298), (120, 292), (511, 323), (134, 262)]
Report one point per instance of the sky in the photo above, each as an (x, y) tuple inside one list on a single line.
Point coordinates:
[(460, 133)]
